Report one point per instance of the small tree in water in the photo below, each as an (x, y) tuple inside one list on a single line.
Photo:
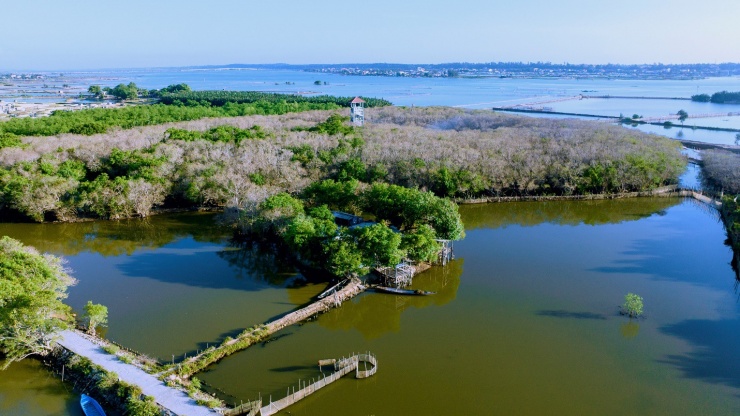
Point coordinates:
[(96, 315), (632, 305)]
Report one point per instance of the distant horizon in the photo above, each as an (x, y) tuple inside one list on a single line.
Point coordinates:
[(333, 64)]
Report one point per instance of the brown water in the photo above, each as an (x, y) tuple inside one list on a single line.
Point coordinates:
[(27, 388), (525, 320)]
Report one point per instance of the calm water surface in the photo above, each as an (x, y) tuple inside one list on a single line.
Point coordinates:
[(525, 320), (474, 93)]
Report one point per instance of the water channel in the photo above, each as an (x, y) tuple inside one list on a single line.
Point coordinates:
[(525, 320)]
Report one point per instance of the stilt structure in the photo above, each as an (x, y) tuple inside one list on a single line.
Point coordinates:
[(357, 111), (445, 253), (399, 276)]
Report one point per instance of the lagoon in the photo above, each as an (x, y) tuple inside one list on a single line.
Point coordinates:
[(472, 93), (525, 320)]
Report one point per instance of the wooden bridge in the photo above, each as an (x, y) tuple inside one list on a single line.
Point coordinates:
[(342, 367)]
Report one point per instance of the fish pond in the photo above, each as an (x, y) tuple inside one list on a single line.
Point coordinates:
[(525, 320)]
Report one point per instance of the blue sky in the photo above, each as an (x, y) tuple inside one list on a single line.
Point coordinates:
[(90, 34)]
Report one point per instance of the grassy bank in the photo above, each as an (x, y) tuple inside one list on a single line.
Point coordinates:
[(102, 385)]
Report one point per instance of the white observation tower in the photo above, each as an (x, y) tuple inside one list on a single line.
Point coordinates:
[(357, 111)]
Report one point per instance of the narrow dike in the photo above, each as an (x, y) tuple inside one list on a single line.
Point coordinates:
[(120, 385), (259, 333), (665, 191)]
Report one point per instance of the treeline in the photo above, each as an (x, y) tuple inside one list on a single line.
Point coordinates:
[(122, 184), (221, 98), (100, 120), (469, 154), (722, 97), (722, 170), (239, 162)]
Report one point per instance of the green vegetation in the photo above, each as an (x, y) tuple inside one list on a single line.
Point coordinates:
[(124, 92), (96, 91), (10, 140), (221, 98), (215, 353), (106, 387), (452, 153), (632, 305), (111, 349), (99, 120), (731, 215), (702, 98), (721, 97), (32, 286), (228, 134), (312, 234), (682, 115), (96, 315), (721, 171), (725, 97)]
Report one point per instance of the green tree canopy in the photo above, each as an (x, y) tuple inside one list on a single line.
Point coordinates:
[(335, 124), (32, 286), (632, 305), (421, 244), (175, 88), (125, 92), (96, 315), (336, 195), (96, 91), (702, 98), (682, 115), (342, 256), (379, 245)]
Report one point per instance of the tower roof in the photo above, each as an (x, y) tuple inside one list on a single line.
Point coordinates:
[(357, 100)]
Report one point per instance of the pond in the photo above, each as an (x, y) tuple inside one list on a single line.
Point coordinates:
[(525, 320)]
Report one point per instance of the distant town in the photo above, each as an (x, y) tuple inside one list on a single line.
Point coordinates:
[(473, 70), (515, 70), (536, 70)]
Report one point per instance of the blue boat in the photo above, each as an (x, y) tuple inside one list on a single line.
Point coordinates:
[(90, 406)]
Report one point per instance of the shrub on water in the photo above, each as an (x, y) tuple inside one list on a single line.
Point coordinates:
[(632, 305)]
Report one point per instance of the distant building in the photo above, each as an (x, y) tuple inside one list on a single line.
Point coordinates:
[(357, 111)]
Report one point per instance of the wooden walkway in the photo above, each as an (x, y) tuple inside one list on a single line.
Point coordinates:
[(332, 300), (350, 290), (342, 367)]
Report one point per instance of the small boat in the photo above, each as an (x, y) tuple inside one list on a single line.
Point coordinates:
[(332, 289), (410, 292), (90, 406)]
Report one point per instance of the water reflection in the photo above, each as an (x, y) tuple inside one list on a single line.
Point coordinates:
[(571, 315), (564, 212), (261, 262), (714, 356), (191, 263), (115, 238), (374, 315), (629, 329), (27, 388)]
